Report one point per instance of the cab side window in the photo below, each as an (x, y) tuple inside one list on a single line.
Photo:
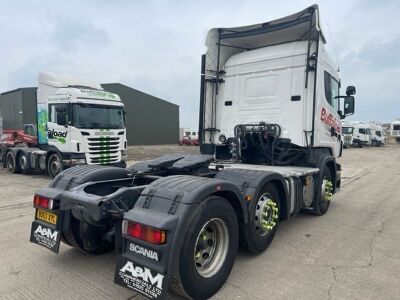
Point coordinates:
[(331, 90), (361, 130), (59, 114)]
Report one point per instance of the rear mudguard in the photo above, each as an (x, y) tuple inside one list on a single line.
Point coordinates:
[(171, 204), (69, 190)]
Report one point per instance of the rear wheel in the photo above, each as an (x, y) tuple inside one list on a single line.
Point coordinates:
[(265, 210), (11, 163), (23, 163), (54, 165), (208, 251), (98, 244)]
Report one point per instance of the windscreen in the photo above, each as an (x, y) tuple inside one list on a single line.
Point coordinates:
[(89, 116), (347, 130), (378, 133)]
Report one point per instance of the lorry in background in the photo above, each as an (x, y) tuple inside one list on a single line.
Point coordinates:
[(270, 134), (66, 121), (378, 136), (356, 134), (395, 130)]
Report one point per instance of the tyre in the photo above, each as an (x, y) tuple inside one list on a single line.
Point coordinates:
[(23, 163), (208, 251), (374, 143), (264, 216), (11, 163), (323, 200), (54, 165), (98, 245)]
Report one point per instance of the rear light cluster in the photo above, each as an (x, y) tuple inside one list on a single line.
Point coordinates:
[(144, 233), (43, 202)]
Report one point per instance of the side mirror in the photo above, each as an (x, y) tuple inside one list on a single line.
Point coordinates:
[(348, 105), (350, 90)]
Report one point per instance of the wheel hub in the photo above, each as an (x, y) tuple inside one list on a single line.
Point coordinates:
[(266, 215), (326, 190), (211, 247)]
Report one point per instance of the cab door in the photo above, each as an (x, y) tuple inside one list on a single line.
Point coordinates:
[(327, 119), (58, 126)]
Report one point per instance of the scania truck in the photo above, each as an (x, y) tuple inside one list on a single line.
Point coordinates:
[(270, 134), (65, 122)]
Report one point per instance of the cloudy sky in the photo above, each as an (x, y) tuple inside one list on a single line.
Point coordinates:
[(155, 46)]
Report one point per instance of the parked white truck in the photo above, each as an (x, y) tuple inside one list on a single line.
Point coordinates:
[(76, 122), (395, 130), (356, 134), (378, 136), (270, 133)]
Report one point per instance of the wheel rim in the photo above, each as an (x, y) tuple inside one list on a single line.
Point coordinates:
[(23, 162), (211, 247), (266, 215), (10, 162), (326, 190), (55, 166)]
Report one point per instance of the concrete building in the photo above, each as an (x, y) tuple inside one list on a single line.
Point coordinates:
[(150, 120)]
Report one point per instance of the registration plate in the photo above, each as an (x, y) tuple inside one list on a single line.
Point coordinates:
[(46, 216)]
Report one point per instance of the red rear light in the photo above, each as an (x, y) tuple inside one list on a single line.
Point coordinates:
[(40, 201), (144, 233)]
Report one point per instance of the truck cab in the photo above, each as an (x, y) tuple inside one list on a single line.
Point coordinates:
[(273, 98), (377, 135), (395, 130)]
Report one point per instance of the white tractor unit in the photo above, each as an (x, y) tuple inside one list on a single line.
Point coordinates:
[(356, 134), (270, 135), (77, 122)]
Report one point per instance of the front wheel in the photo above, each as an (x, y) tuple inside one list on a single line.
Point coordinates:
[(208, 251), (264, 214), (323, 200), (54, 165)]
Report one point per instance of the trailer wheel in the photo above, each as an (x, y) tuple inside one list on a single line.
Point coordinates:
[(23, 163), (209, 250), (11, 163), (323, 200), (264, 214), (54, 165)]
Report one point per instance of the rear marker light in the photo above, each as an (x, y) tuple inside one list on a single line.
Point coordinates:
[(144, 233), (42, 202)]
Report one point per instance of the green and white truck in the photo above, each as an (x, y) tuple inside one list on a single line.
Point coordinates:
[(76, 122)]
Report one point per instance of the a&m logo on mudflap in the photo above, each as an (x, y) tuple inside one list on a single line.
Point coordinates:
[(141, 279), (46, 232), (45, 236)]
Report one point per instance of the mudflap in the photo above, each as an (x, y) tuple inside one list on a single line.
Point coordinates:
[(143, 280), (45, 235)]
